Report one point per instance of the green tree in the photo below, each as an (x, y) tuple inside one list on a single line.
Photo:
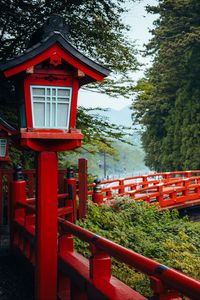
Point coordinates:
[(168, 97)]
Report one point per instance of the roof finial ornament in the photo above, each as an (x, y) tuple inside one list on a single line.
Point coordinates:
[(55, 23)]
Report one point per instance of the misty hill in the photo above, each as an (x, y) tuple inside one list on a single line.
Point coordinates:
[(119, 117), (129, 160), (123, 117)]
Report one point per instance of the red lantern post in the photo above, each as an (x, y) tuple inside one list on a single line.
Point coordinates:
[(47, 78)]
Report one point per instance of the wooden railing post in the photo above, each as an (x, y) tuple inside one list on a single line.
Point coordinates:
[(167, 176), (188, 174), (161, 291), (121, 186), (66, 244), (186, 185), (100, 266), (18, 194), (160, 197), (70, 188), (97, 196), (82, 187), (144, 181)]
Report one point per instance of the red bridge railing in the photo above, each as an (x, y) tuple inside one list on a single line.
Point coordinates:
[(165, 282), (92, 279), (168, 190), (81, 278)]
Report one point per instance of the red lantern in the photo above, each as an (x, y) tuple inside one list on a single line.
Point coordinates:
[(5, 132), (47, 78)]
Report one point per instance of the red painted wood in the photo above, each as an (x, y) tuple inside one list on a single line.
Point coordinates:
[(74, 104), (47, 54), (82, 189), (28, 108), (46, 227), (70, 189), (171, 278), (18, 194), (51, 145)]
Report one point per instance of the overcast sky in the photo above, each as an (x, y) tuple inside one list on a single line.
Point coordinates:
[(140, 23)]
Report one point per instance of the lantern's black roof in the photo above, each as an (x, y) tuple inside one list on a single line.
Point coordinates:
[(44, 38), (7, 126)]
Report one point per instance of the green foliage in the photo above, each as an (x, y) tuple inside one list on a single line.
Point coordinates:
[(138, 226), (168, 98)]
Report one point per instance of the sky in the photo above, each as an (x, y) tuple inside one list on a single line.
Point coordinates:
[(140, 23)]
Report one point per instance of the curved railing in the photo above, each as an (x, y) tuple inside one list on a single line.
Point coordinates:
[(171, 189)]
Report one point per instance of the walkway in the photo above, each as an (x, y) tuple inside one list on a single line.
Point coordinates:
[(16, 275)]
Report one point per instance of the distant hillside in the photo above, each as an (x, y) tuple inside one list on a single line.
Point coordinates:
[(123, 117), (119, 117), (130, 159)]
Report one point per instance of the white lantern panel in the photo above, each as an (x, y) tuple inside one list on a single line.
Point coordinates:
[(51, 106), (39, 113), (3, 144), (62, 112)]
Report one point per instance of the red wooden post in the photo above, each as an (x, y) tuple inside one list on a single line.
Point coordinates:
[(160, 197), (61, 174), (70, 188), (121, 186), (31, 184), (186, 182), (83, 187), (145, 181), (97, 196), (66, 244), (133, 186), (188, 174), (100, 266), (167, 176), (46, 227), (18, 194), (161, 291)]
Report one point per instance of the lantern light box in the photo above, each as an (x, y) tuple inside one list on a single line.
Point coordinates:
[(47, 78), (5, 132)]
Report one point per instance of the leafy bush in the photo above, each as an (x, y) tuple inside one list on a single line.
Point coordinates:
[(140, 227)]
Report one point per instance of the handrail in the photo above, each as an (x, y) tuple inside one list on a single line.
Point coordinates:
[(167, 192), (172, 278)]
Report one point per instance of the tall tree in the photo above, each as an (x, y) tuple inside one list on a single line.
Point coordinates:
[(168, 100), (95, 28)]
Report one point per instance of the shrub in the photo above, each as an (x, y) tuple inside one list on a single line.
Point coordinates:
[(140, 227)]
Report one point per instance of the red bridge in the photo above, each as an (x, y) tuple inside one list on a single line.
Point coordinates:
[(169, 190), (78, 277)]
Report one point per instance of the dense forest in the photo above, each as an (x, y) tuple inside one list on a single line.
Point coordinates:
[(168, 103)]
